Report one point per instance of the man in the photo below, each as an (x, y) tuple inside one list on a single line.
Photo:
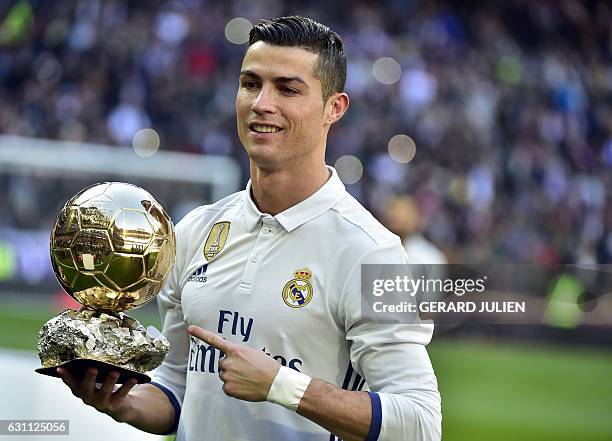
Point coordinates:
[(403, 217), (274, 272)]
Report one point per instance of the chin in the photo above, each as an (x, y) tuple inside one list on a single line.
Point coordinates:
[(264, 158)]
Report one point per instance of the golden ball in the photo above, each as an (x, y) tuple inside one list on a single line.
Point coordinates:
[(112, 247)]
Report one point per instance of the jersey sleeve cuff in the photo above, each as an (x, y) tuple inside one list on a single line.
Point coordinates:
[(176, 405), (376, 422)]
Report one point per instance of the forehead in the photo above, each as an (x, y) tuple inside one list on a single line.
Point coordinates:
[(269, 61)]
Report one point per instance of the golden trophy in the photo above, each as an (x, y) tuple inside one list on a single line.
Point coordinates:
[(112, 248)]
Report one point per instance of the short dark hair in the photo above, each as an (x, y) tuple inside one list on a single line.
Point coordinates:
[(314, 37)]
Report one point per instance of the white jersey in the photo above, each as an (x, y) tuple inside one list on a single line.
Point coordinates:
[(289, 285), (422, 251)]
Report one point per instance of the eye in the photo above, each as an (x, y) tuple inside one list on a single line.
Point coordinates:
[(249, 84), (288, 90)]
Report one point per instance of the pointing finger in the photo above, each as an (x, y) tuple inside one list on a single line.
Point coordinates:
[(211, 338)]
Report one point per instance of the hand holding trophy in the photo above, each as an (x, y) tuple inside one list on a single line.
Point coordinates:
[(112, 248)]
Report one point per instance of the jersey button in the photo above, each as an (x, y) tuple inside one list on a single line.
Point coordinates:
[(254, 259)]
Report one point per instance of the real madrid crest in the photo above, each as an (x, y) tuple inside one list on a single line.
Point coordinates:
[(297, 292), (216, 239)]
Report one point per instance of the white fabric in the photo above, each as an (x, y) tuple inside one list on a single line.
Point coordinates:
[(422, 251), (239, 295), (288, 388)]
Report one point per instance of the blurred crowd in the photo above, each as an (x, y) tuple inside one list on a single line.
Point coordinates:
[(509, 105)]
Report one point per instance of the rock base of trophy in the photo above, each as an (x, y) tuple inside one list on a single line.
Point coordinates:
[(79, 366), (77, 340)]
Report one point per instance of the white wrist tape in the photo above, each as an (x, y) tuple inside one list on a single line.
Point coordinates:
[(288, 388)]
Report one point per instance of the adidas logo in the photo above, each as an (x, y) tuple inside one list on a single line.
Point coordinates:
[(199, 275)]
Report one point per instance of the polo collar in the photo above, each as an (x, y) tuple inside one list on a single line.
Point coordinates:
[(313, 206)]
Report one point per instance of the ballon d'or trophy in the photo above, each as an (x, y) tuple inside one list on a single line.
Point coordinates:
[(112, 248)]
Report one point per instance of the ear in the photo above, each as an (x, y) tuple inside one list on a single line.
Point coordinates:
[(336, 106)]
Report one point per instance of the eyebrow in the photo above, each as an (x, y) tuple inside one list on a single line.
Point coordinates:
[(297, 79)]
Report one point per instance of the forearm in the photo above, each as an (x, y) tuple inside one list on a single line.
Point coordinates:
[(346, 414), (149, 410)]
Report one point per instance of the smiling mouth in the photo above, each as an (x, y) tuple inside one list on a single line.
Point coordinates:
[(263, 128)]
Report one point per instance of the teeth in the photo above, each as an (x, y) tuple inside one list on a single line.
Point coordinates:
[(265, 129)]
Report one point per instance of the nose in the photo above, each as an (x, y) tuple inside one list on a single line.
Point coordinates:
[(264, 103)]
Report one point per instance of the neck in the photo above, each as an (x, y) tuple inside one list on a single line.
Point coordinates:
[(274, 191)]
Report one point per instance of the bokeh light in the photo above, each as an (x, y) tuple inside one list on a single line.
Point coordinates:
[(402, 148), (349, 168), (145, 143), (237, 30), (387, 70)]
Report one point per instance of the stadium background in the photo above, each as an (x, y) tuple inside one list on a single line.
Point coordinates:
[(496, 117)]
